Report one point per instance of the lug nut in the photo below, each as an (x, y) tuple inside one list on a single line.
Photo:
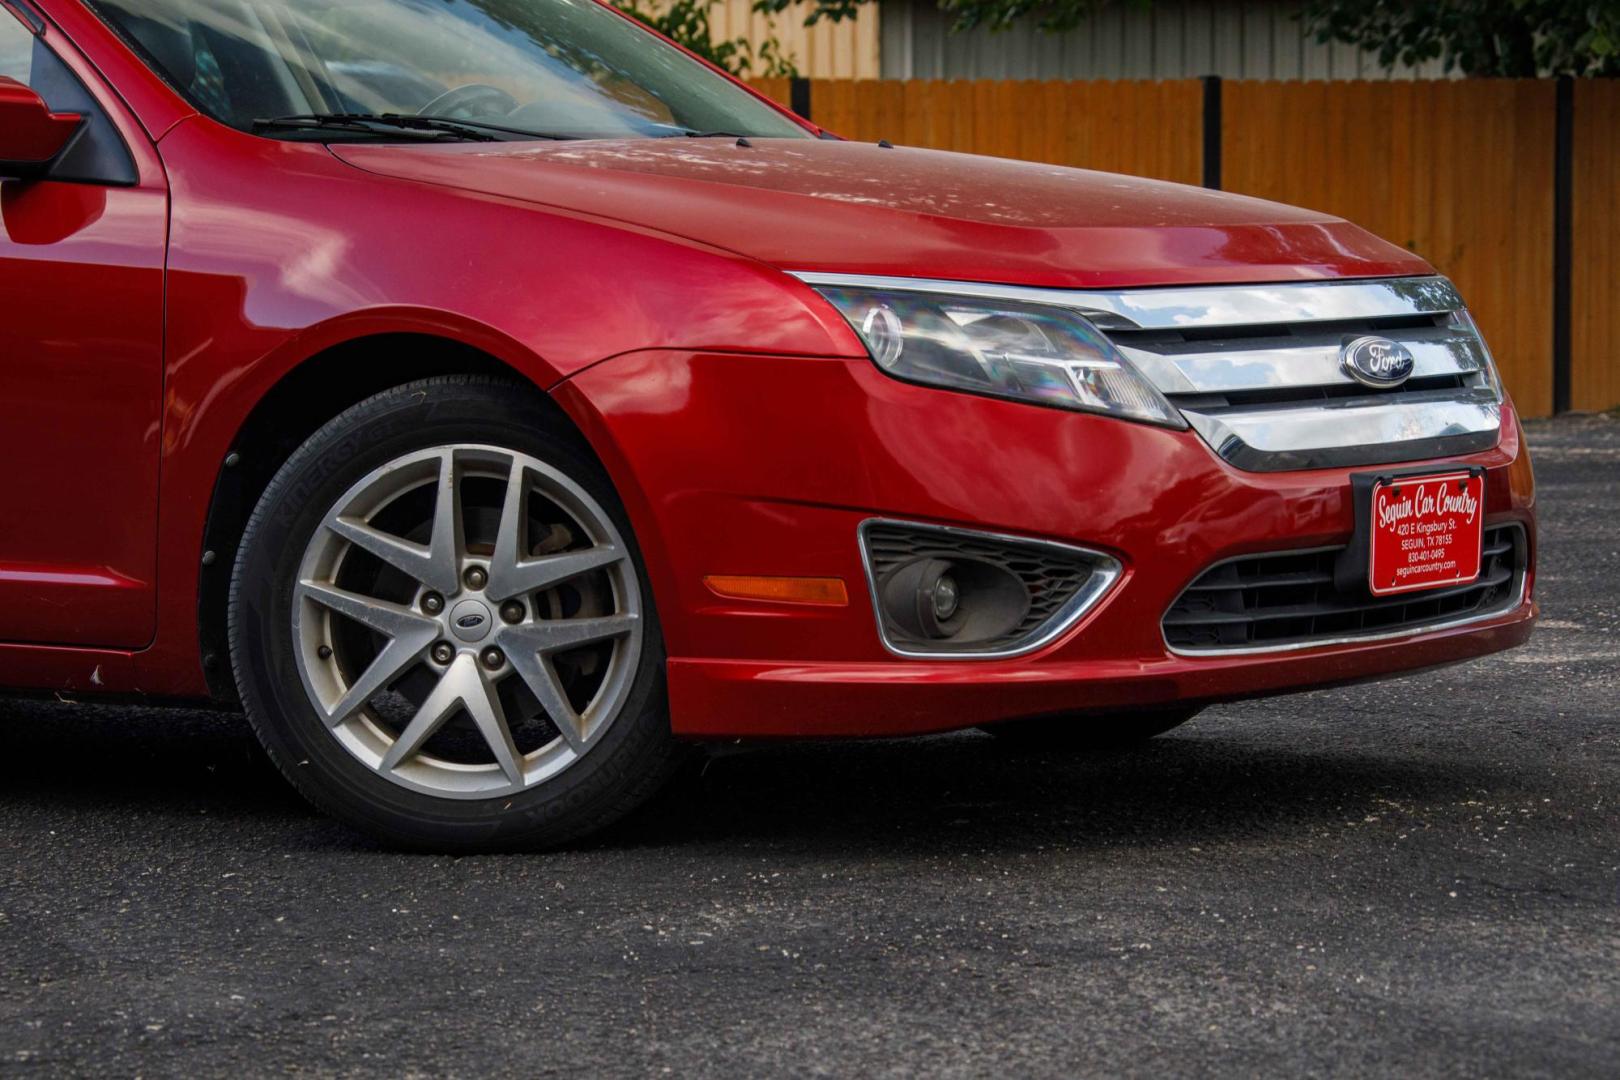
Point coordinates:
[(432, 603), (475, 577), (512, 611), (443, 653), (493, 658)]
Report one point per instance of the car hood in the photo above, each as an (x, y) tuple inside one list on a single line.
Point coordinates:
[(823, 205)]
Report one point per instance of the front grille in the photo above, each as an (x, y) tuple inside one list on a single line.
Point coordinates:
[(1289, 598), (1062, 581), (1257, 372)]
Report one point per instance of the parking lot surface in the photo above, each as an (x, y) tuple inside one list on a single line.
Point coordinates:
[(1419, 876)]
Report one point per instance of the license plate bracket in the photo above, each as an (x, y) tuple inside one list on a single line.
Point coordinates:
[(1416, 529)]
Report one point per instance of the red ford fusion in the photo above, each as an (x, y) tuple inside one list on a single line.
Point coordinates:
[(493, 399)]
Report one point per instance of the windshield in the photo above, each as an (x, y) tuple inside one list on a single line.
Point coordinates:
[(561, 68)]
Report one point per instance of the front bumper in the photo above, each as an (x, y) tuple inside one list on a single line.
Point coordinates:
[(756, 465)]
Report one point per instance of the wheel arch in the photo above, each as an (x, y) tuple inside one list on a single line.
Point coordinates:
[(301, 401)]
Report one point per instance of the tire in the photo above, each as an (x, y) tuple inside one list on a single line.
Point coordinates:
[(1112, 732), (307, 641)]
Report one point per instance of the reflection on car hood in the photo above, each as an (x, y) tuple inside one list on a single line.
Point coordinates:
[(860, 208)]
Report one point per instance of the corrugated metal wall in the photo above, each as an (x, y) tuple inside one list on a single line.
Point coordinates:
[(1172, 39), (828, 50)]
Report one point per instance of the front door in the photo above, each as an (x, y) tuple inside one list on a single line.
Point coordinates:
[(81, 368)]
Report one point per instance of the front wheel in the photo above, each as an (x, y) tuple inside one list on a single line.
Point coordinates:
[(1111, 732), (441, 628)]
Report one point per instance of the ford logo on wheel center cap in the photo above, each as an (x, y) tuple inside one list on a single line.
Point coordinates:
[(469, 620), (1376, 362)]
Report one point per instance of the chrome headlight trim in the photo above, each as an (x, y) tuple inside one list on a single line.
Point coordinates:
[(1169, 308)]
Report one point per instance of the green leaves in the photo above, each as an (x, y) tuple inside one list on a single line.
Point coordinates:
[(1514, 38), (687, 22), (1520, 38)]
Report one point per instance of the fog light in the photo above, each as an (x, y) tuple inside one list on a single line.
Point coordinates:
[(960, 601), (913, 598), (946, 596)]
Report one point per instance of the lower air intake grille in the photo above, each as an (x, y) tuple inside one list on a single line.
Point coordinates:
[(1269, 601)]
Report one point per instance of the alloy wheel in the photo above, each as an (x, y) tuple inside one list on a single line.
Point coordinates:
[(467, 621)]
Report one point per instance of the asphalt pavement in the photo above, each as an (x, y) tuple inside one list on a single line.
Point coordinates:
[(1414, 877)]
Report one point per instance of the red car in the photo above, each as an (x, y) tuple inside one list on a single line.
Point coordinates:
[(492, 398)]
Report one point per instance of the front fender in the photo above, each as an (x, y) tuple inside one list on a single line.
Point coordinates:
[(280, 253)]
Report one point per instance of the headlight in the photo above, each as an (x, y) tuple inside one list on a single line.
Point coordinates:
[(1026, 352)]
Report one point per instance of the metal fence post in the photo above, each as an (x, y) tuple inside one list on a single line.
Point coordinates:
[(1212, 131), (799, 96)]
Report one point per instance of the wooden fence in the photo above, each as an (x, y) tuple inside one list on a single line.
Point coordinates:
[(1595, 246), (1510, 187), (1144, 128)]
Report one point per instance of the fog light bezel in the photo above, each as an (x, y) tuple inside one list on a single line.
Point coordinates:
[(1106, 571)]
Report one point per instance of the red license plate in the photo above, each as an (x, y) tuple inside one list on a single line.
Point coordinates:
[(1427, 532)]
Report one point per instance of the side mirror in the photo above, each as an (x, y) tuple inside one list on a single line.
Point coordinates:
[(31, 136)]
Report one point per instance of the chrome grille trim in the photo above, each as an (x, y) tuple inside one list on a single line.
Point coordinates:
[(1197, 305), (1183, 368), (1294, 302), (1255, 369), (1371, 430)]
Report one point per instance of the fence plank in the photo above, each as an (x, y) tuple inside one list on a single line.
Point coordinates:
[(1150, 129), (1595, 269), (1458, 171), (778, 90)]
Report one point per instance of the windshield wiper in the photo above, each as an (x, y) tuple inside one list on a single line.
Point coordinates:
[(422, 126)]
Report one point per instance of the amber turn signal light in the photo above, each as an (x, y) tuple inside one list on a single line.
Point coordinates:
[(783, 590)]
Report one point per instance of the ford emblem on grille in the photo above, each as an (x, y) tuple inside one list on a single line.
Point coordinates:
[(1376, 362)]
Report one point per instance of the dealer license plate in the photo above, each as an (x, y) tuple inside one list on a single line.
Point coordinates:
[(1427, 532)]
